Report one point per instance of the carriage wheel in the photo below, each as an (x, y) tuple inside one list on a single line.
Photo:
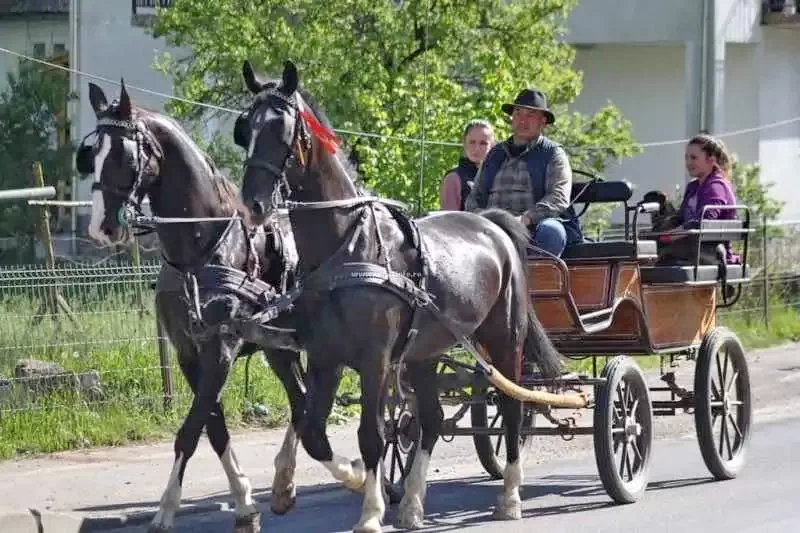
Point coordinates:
[(722, 406), (402, 432), (623, 430), (490, 448)]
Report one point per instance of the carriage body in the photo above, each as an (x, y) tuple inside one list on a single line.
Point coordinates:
[(598, 301)]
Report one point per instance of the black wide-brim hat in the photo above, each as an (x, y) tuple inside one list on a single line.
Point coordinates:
[(531, 99)]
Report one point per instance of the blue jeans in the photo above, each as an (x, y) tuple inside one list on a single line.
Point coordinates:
[(551, 235)]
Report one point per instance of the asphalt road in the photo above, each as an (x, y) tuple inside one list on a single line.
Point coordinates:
[(566, 495), (102, 488)]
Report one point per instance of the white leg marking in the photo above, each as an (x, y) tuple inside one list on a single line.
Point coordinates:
[(349, 473), (283, 487), (509, 503), (98, 208), (171, 499), (412, 507), (240, 485), (374, 507)]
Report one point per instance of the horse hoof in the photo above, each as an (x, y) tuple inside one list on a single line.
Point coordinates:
[(248, 524), (508, 511), (282, 502), (409, 516), (373, 525), (359, 479)]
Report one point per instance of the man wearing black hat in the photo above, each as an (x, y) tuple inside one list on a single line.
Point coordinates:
[(530, 176)]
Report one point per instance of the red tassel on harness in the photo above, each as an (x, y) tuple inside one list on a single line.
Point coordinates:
[(326, 137)]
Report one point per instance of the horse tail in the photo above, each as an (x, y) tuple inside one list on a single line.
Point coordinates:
[(537, 345)]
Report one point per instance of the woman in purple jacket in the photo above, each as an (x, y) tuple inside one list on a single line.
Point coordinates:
[(708, 162)]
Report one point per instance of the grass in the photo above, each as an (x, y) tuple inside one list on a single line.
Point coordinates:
[(115, 335)]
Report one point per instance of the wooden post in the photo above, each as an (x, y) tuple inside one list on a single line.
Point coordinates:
[(53, 300), (50, 305), (136, 260), (60, 188), (163, 357), (765, 270)]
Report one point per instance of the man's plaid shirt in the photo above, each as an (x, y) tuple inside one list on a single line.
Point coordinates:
[(511, 189)]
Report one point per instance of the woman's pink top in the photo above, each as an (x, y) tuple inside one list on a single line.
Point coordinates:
[(450, 194)]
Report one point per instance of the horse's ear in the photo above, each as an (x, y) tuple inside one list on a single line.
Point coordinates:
[(251, 80), (97, 98), (125, 111), (290, 78)]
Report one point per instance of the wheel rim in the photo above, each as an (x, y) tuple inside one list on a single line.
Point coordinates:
[(629, 432), (728, 404), (400, 439)]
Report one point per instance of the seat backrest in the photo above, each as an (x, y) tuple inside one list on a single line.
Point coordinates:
[(601, 191)]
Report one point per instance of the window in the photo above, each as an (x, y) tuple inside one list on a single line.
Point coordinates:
[(38, 50), (59, 48)]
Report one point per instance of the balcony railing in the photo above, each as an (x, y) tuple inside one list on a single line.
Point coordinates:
[(143, 11), (781, 12)]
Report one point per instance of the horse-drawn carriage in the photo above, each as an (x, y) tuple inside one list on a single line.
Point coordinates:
[(378, 287), (603, 299)]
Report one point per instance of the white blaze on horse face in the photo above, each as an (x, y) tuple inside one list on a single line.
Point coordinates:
[(98, 208)]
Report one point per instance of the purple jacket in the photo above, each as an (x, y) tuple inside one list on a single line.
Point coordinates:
[(715, 190)]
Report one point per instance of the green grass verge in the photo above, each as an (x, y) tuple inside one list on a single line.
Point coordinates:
[(119, 343)]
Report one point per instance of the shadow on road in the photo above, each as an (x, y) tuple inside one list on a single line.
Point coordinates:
[(450, 505)]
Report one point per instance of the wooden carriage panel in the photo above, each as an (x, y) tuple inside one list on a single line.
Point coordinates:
[(544, 276), (679, 315), (589, 285), (554, 315), (628, 283), (626, 323)]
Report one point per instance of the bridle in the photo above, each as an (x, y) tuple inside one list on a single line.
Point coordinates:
[(147, 149), (298, 152)]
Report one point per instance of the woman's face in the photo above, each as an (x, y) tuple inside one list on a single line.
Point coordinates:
[(477, 144), (698, 163)]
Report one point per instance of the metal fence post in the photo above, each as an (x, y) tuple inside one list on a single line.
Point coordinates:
[(765, 263)]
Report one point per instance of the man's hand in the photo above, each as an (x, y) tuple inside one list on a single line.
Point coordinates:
[(525, 219)]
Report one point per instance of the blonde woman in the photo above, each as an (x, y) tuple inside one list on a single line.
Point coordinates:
[(478, 139)]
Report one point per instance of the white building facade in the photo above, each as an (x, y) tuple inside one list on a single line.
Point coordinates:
[(679, 67)]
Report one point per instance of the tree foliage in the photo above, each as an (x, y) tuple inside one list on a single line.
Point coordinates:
[(33, 110), (401, 69)]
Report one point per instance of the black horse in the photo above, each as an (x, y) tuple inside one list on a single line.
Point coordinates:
[(380, 287), (142, 153)]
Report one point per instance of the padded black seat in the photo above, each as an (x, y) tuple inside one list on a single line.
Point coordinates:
[(611, 250), (685, 274)]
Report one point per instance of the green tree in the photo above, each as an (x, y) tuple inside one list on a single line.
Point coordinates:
[(401, 69), (752, 192), (33, 125)]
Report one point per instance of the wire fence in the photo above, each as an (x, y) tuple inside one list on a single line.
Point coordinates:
[(79, 338)]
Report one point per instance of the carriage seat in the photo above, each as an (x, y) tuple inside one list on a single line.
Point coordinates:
[(686, 274), (641, 250)]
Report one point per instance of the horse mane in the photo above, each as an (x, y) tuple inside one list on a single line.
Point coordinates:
[(342, 153)]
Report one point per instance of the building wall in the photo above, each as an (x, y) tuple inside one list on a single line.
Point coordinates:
[(20, 34), (112, 47), (634, 21), (647, 84), (779, 100)]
